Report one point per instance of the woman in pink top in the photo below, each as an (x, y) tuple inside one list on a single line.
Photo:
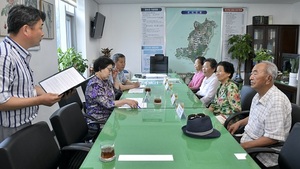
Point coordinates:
[(197, 79)]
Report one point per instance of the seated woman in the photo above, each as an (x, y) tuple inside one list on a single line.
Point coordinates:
[(198, 77), (100, 91), (227, 99), (210, 82)]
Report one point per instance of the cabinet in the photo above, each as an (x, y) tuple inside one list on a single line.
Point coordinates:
[(276, 38)]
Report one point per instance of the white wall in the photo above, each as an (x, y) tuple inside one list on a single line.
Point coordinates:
[(122, 30)]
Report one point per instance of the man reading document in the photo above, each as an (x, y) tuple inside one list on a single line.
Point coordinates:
[(19, 97)]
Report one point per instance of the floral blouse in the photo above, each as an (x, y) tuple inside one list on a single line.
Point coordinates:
[(227, 99), (100, 98)]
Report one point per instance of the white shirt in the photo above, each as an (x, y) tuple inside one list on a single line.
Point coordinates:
[(208, 89), (270, 116)]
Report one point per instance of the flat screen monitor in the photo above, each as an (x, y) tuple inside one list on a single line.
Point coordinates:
[(97, 25)]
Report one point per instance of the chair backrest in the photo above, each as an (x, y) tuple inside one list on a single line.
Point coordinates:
[(33, 147), (295, 114), (159, 64), (247, 94), (290, 152), (71, 98), (69, 124)]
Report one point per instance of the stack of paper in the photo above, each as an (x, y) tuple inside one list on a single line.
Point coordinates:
[(136, 90), (141, 104)]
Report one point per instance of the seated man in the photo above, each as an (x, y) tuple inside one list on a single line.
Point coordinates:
[(269, 120), (210, 82), (125, 83)]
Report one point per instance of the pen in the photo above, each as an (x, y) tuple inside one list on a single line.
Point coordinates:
[(138, 107)]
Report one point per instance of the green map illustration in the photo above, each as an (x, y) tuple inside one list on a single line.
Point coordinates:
[(198, 40), (192, 32)]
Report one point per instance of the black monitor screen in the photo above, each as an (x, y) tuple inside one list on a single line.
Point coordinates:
[(97, 25)]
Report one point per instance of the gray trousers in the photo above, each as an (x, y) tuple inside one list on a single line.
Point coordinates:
[(8, 131)]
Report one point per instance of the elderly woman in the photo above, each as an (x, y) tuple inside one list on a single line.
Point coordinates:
[(210, 82), (227, 99), (198, 77), (100, 91)]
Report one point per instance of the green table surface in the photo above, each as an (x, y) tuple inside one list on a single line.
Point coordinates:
[(185, 95), (158, 132)]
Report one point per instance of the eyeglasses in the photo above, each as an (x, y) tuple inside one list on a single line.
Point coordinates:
[(110, 69), (193, 116)]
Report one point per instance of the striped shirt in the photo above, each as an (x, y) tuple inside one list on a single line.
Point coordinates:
[(16, 80)]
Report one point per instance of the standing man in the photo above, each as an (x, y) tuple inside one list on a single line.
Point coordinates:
[(120, 63), (19, 97), (269, 120)]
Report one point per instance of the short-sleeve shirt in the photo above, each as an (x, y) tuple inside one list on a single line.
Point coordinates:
[(16, 80), (227, 99), (270, 116), (121, 77)]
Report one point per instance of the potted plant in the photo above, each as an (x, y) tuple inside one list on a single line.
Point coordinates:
[(106, 51), (71, 58), (263, 54), (240, 49)]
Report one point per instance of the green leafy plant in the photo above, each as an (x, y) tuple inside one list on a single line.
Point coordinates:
[(263, 54), (240, 49), (71, 58)]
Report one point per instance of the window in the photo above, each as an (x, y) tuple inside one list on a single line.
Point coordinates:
[(70, 35)]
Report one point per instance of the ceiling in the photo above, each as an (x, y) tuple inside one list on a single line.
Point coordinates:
[(196, 1)]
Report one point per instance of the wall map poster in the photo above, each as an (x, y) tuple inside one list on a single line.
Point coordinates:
[(192, 32)]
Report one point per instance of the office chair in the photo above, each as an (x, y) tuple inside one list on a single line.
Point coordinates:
[(288, 155), (71, 127), (34, 147), (72, 97), (247, 94), (159, 63)]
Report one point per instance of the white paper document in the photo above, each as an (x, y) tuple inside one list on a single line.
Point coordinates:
[(140, 103), (145, 158), (62, 81), (136, 90), (240, 156)]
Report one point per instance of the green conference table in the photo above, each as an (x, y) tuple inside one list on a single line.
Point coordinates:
[(158, 132), (185, 95)]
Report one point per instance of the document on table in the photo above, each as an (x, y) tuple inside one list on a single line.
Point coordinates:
[(140, 103), (136, 90), (145, 158), (62, 81)]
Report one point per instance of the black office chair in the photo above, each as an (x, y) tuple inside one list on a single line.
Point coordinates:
[(159, 64), (72, 97), (247, 94), (71, 127), (289, 153), (34, 147)]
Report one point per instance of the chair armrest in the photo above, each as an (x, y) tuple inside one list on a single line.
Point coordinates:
[(256, 150), (236, 115), (76, 147), (253, 152)]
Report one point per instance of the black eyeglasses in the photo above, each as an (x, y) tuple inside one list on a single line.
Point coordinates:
[(193, 116)]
